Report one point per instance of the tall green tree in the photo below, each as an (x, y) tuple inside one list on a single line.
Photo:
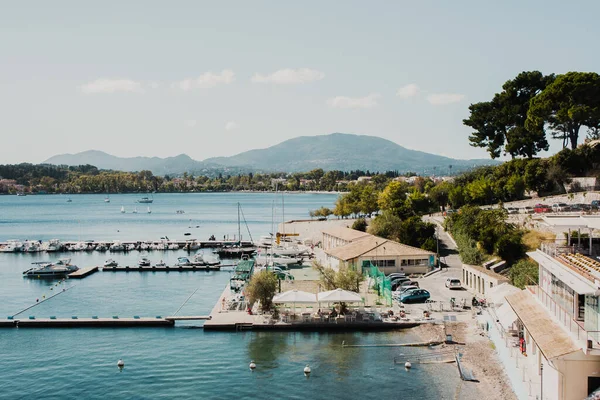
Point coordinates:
[(567, 104), (500, 124)]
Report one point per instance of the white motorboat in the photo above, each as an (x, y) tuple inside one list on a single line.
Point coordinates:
[(130, 247), (117, 246), (122, 209), (183, 262), (144, 262), (145, 200), (211, 259), (173, 246), (79, 246), (160, 264), (111, 263), (266, 241), (101, 247), (12, 246), (31, 246), (51, 246), (107, 199), (180, 212), (293, 251), (47, 269), (192, 245), (144, 246), (264, 259)]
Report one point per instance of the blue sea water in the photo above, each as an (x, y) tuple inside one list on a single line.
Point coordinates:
[(184, 361)]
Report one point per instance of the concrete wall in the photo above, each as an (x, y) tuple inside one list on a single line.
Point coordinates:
[(479, 282)]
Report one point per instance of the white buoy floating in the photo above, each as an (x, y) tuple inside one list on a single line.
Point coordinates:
[(252, 365), (306, 370), (120, 363), (407, 365)]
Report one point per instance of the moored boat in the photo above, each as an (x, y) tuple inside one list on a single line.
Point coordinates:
[(47, 269)]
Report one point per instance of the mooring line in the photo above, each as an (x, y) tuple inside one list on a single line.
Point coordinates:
[(40, 302)]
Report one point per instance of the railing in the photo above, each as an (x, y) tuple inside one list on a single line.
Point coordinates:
[(555, 249), (565, 318)]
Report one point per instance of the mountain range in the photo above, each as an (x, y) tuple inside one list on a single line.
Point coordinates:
[(336, 151)]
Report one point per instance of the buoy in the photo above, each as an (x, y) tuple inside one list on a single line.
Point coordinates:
[(407, 365), (307, 369), (252, 365), (120, 363)]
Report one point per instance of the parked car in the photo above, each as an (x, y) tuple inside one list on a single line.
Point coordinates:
[(396, 275), (397, 284), (453, 283), (415, 296), (595, 204), (404, 289), (560, 207), (527, 210), (409, 283), (542, 208)]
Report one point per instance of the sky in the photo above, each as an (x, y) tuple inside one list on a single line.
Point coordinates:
[(157, 78)]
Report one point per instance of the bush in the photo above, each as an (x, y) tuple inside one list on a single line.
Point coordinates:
[(360, 225), (467, 249), (525, 272)]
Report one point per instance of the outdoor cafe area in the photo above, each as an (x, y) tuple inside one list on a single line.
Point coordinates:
[(334, 307)]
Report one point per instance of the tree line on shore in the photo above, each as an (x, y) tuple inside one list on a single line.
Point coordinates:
[(44, 178)]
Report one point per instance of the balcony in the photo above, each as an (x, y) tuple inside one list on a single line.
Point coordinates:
[(575, 328)]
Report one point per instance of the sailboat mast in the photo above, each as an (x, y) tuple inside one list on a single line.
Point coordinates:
[(239, 230)]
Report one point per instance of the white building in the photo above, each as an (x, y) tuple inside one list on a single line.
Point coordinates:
[(549, 334)]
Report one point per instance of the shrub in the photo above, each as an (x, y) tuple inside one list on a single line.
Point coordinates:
[(360, 225)]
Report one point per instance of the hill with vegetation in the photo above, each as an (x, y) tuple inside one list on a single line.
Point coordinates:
[(334, 152)]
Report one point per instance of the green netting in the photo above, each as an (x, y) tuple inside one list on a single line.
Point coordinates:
[(381, 284)]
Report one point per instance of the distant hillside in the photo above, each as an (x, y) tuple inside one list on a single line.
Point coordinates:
[(340, 151), (337, 151), (159, 166)]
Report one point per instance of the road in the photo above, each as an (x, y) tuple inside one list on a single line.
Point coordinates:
[(449, 257)]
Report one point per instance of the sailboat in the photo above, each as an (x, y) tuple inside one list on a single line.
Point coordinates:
[(135, 210), (149, 211), (236, 250), (122, 209)]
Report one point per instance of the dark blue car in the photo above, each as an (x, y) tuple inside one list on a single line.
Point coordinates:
[(415, 296)]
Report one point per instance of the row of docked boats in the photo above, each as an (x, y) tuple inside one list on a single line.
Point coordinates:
[(200, 259), (54, 245)]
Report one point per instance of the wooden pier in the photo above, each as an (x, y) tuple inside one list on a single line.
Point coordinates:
[(83, 272)]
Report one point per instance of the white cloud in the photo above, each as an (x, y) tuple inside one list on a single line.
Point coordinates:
[(231, 126), (111, 86), (206, 80), (408, 91), (290, 76), (369, 101), (438, 99), (190, 123)]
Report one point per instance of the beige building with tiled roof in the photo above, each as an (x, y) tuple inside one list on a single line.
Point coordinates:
[(351, 247)]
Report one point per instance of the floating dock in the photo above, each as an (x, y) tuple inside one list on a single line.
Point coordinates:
[(96, 322), (83, 272)]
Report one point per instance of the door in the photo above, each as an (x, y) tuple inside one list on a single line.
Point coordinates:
[(580, 307), (593, 384)]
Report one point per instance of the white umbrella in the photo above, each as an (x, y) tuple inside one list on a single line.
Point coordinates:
[(295, 296), (339, 295)]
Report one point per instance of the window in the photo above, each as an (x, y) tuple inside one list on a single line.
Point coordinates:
[(384, 263)]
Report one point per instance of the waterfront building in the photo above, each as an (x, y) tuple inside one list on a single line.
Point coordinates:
[(549, 334), (480, 280), (345, 246)]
